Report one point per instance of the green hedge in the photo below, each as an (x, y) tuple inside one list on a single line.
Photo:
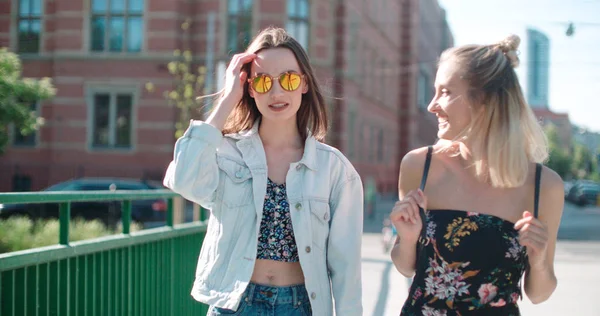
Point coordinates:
[(20, 233)]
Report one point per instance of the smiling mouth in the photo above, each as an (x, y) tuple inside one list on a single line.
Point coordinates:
[(278, 105)]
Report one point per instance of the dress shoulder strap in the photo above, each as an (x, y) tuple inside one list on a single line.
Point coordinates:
[(426, 169), (538, 176)]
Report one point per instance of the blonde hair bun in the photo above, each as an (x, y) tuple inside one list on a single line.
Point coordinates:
[(509, 47)]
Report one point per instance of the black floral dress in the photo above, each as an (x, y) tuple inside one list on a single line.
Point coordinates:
[(467, 264)]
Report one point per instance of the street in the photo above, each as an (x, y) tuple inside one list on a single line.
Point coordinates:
[(577, 268)]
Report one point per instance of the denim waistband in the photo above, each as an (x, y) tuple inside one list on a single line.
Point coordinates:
[(275, 295)]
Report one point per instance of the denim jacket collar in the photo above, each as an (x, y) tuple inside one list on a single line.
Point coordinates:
[(251, 138)]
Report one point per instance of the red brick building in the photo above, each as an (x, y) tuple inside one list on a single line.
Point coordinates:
[(434, 37), (100, 54), (562, 123)]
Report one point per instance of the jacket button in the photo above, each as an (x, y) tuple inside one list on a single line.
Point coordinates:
[(298, 206), (238, 174), (326, 217), (298, 167), (313, 295), (307, 249)]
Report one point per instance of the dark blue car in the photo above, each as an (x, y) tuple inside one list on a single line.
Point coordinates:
[(584, 193), (109, 212)]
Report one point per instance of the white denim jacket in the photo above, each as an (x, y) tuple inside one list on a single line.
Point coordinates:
[(228, 175)]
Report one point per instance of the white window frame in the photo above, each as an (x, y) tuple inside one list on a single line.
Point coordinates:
[(112, 91), (126, 15), (14, 33), (294, 22), (240, 15)]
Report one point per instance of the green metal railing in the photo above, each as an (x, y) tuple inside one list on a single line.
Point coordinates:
[(149, 272)]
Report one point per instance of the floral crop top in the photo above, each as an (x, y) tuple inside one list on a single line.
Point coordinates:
[(276, 238)]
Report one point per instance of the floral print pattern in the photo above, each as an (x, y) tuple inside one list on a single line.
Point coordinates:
[(276, 238), (515, 248), (429, 311), (459, 228), (472, 263)]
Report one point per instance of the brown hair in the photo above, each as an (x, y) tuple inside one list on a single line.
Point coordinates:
[(504, 135), (312, 114)]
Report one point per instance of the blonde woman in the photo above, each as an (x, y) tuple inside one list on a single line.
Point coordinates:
[(477, 210), (284, 236)]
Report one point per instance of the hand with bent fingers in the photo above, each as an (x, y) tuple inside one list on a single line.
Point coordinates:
[(533, 234), (405, 215), (235, 77)]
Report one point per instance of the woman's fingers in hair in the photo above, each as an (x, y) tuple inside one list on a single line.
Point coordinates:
[(238, 60), (243, 76)]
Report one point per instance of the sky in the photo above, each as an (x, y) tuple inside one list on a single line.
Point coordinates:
[(574, 61)]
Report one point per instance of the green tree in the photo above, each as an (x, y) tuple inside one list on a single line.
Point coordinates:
[(559, 160), (17, 94), (187, 86), (584, 162)]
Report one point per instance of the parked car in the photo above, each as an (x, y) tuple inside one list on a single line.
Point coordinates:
[(109, 212), (568, 185), (584, 193)]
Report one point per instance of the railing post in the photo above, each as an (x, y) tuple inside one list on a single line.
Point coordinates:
[(170, 212), (126, 216), (196, 212), (178, 210), (64, 219), (203, 214)]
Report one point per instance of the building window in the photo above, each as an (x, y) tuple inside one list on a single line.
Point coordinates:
[(362, 79), (362, 148), (380, 146), (351, 133), (117, 25), (239, 25), (112, 120), (297, 23), (372, 75), (382, 79), (21, 183), (29, 140), (372, 144), (29, 22), (353, 46), (423, 88)]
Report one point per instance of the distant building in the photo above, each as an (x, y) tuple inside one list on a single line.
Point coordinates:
[(372, 59), (560, 121), (589, 139), (538, 68), (434, 37)]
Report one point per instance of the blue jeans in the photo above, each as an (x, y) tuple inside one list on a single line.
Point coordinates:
[(263, 300)]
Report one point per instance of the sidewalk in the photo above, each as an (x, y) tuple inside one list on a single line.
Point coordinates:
[(383, 207)]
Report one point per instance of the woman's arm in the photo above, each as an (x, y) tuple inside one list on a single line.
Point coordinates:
[(539, 236), (193, 172), (344, 246), (404, 252)]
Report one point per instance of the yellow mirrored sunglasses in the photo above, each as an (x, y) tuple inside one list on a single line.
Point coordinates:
[(289, 81)]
